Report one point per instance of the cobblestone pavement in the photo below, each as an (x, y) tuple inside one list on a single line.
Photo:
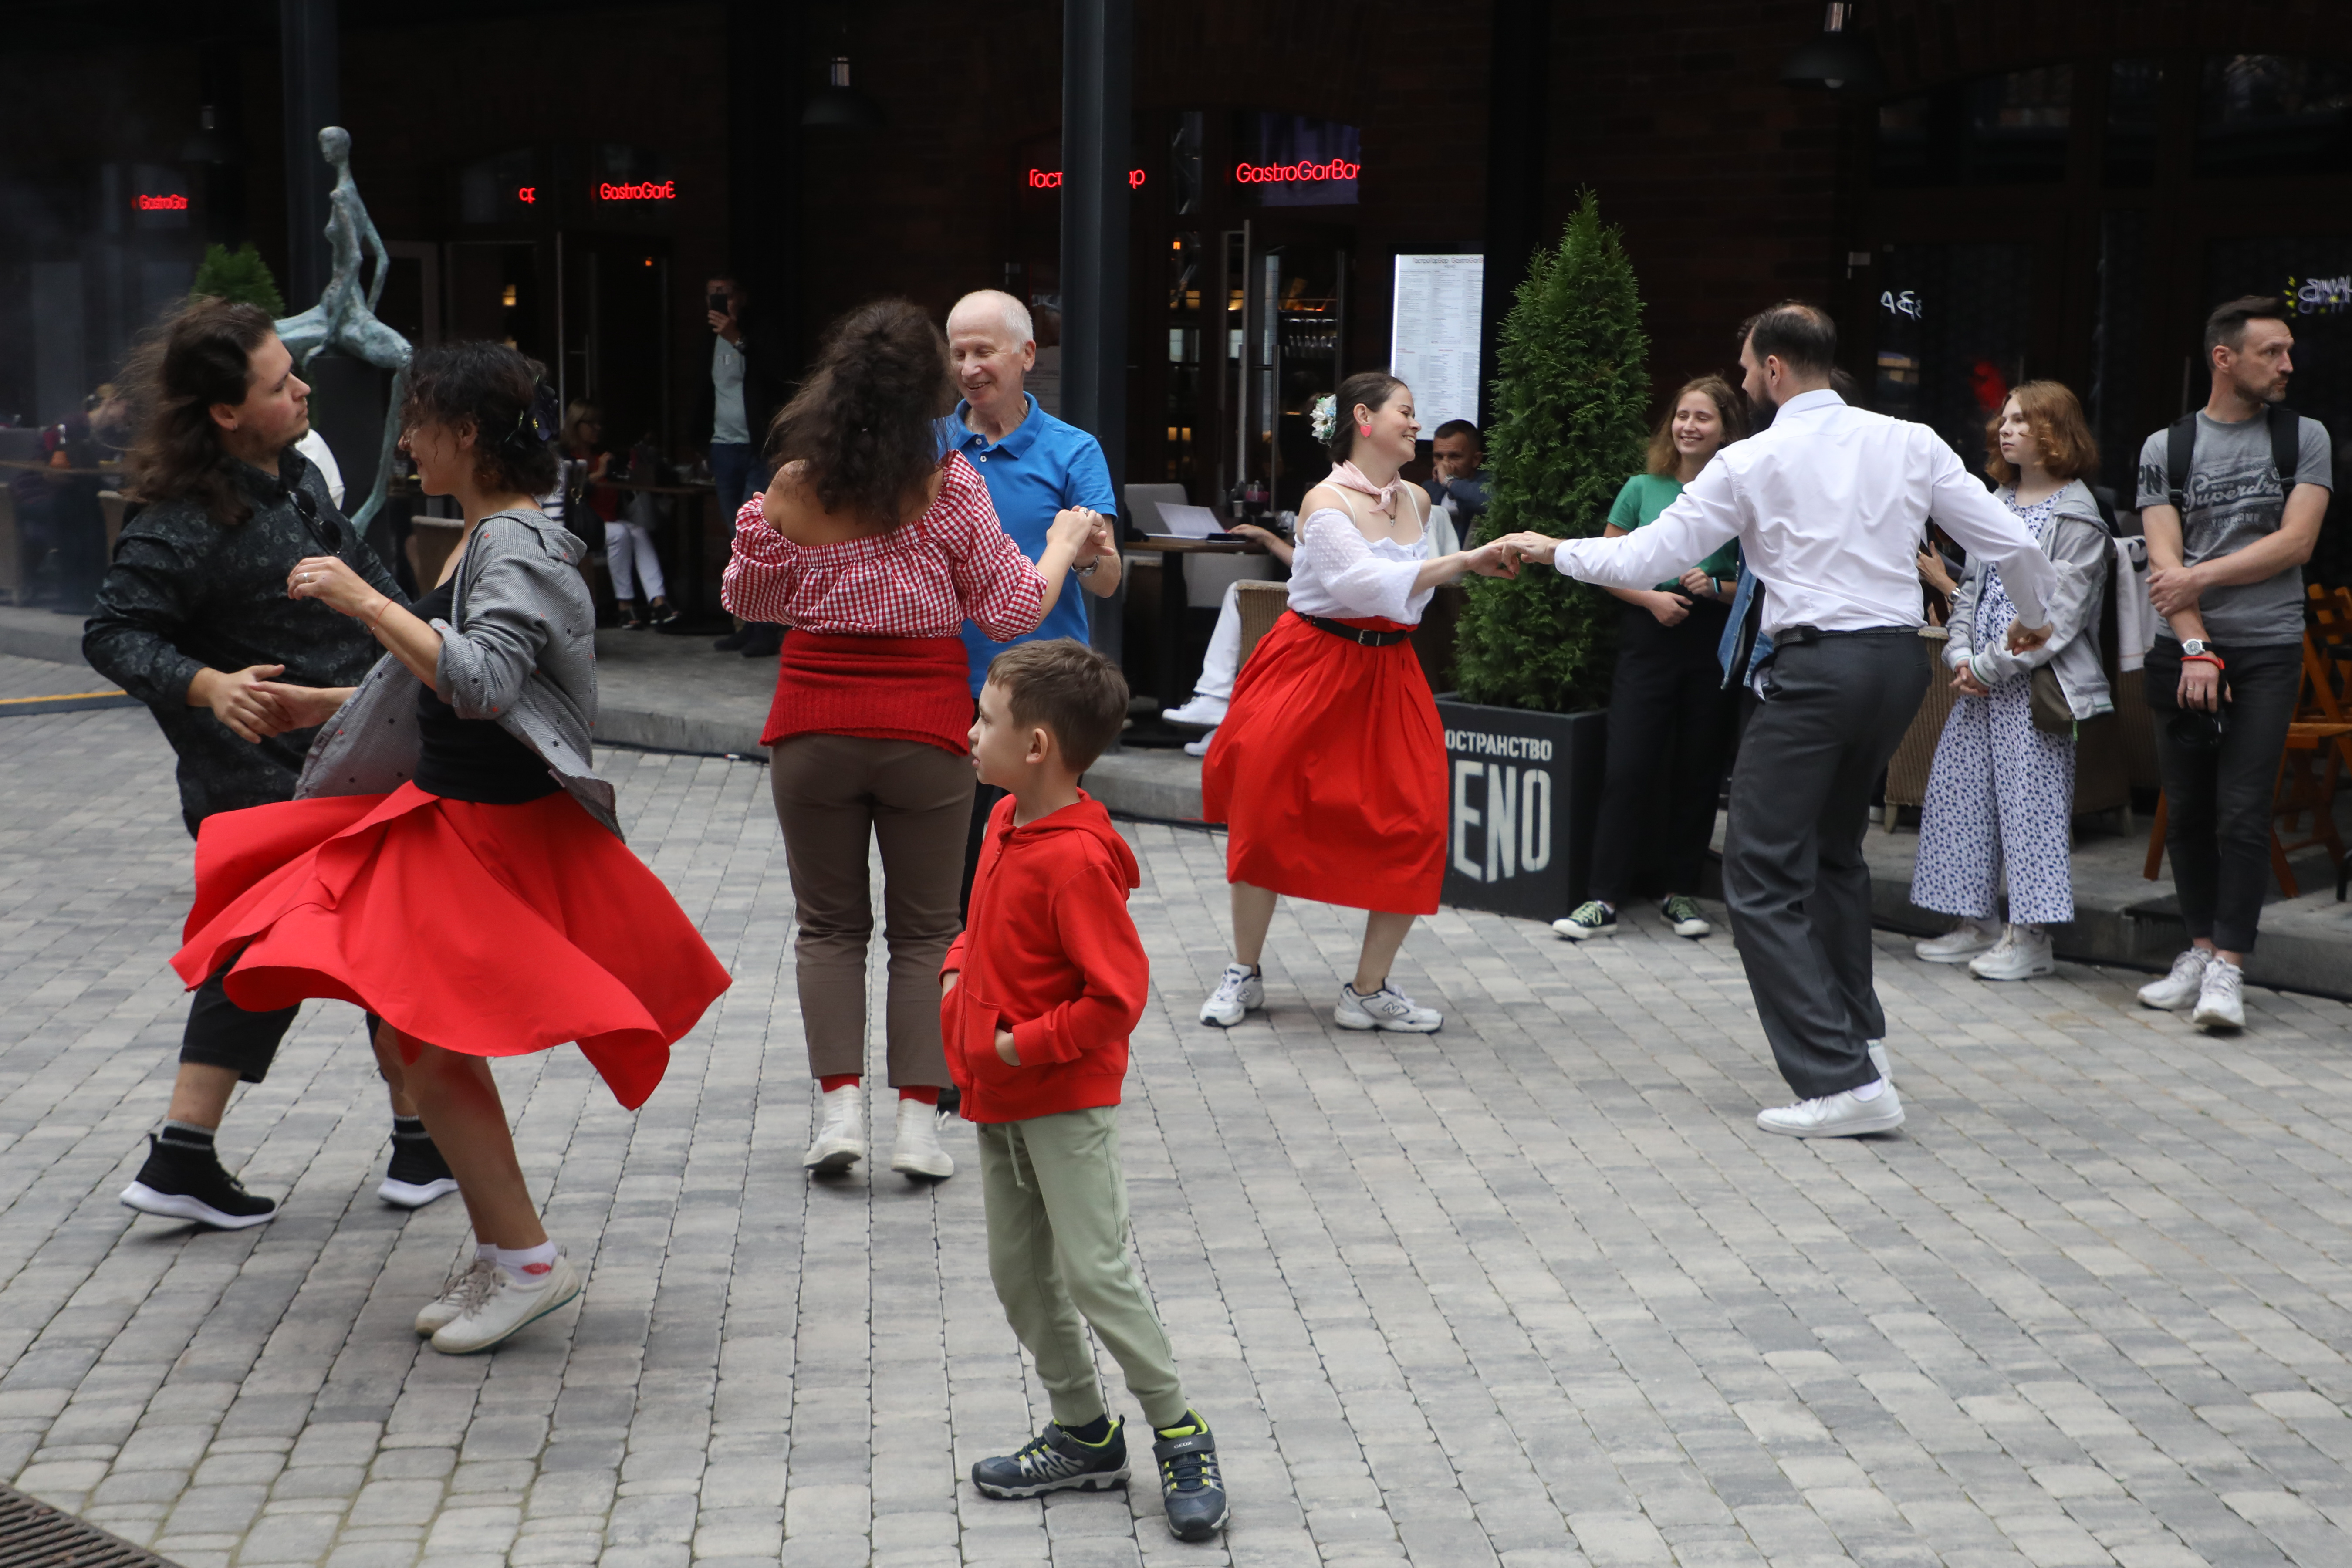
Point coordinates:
[(1532, 1290)]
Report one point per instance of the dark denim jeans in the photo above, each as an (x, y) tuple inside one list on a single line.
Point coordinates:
[(2217, 804), (738, 474)]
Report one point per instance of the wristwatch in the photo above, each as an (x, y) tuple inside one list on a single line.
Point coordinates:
[(2194, 648)]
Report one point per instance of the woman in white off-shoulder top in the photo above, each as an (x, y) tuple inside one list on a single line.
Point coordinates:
[(1329, 769)]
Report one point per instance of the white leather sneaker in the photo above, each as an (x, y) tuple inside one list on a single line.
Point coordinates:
[(1388, 1008), (1835, 1116), (2183, 985), (915, 1147), (2220, 997), (1959, 944), (445, 1307), (2023, 953), (1199, 748), (841, 1135), (1199, 714), (1239, 993), (495, 1306)]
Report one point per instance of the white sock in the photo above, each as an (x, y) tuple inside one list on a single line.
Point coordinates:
[(527, 1265), (1870, 1091), (485, 1253)]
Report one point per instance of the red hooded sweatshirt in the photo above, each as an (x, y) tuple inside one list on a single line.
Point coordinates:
[(1050, 953)]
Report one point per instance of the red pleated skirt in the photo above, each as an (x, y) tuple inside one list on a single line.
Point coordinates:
[(1329, 772), (492, 930)]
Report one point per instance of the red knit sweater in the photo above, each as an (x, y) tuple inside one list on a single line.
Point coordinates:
[(892, 689)]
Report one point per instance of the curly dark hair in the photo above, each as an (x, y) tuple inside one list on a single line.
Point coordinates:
[(200, 355), (864, 422), (1373, 388), (496, 390)]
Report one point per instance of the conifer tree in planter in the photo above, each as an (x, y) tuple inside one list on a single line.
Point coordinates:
[(240, 277), (1526, 729)]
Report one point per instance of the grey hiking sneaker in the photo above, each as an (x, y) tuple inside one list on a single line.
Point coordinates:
[(1190, 1484), (1592, 918), (1055, 1462)]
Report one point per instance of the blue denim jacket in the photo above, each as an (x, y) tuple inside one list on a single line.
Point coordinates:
[(1741, 600)]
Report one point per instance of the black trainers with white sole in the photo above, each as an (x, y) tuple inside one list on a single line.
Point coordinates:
[(183, 1182), (1055, 1461), (417, 1174)]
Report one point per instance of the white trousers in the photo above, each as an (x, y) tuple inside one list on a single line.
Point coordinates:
[(629, 556), (1223, 663)]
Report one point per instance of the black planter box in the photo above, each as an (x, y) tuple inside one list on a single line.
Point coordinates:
[(1523, 790)]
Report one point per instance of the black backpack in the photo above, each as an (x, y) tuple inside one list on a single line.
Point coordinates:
[(2181, 450)]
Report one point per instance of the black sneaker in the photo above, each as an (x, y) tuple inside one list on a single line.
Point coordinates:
[(762, 641), (179, 1182), (732, 642), (417, 1173), (1190, 1482), (1055, 1462)]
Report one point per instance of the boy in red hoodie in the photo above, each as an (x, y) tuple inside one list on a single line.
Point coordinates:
[(1041, 992)]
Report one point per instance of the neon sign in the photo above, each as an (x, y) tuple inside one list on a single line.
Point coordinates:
[(148, 204), (666, 191), (1301, 172), (1051, 179), (527, 195)]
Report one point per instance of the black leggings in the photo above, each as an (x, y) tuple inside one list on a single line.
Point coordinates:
[(1669, 729), (220, 1034)]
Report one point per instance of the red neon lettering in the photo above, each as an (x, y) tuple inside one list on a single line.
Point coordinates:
[(163, 204), (527, 195), (666, 191), (1051, 179), (1300, 172)]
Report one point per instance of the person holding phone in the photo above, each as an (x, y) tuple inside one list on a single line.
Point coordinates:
[(743, 398)]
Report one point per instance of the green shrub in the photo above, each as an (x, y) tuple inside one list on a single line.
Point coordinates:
[(239, 276), (1569, 424)]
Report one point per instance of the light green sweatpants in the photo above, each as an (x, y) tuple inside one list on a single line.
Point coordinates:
[(1057, 1250)]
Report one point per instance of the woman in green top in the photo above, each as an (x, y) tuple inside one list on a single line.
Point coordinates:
[(1669, 717)]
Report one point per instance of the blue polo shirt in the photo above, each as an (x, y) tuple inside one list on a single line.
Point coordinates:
[(1041, 467)]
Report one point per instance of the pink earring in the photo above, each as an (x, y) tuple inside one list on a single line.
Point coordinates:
[(1363, 429)]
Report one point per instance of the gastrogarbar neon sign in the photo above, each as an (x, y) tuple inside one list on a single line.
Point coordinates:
[(648, 191), (148, 204), (1299, 172), (1051, 179)]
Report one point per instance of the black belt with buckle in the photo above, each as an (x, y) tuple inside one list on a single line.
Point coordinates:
[(1806, 636), (1357, 635)]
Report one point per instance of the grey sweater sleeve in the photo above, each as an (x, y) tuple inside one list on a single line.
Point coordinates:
[(509, 590), (2078, 549)]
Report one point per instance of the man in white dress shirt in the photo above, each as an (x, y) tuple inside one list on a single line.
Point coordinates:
[(1829, 506)]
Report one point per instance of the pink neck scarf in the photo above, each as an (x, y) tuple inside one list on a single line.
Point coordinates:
[(1347, 476)]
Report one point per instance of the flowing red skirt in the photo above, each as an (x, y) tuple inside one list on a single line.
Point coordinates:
[(1329, 773), (492, 930)]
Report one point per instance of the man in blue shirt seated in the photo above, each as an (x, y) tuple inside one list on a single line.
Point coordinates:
[(1458, 480), (1036, 466)]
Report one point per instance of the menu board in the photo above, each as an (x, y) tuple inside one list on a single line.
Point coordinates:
[(1433, 335)]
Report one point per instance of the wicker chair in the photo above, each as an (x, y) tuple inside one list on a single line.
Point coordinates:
[(1261, 605), (12, 548)]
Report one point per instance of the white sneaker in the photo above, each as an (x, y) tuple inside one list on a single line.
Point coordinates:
[(1878, 1059), (1239, 992), (1388, 1008), (2183, 985), (915, 1147), (2220, 997), (1959, 944), (1199, 748), (1201, 713), (1835, 1116), (2023, 953), (494, 1306), (841, 1136), (451, 1304)]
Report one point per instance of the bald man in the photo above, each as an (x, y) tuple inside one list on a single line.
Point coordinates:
[(1036, 466)]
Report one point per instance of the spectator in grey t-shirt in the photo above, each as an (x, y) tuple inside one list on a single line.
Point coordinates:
[(2228, 579)]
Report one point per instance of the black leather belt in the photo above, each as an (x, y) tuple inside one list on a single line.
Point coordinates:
[(1357, 635), (1805, 636)]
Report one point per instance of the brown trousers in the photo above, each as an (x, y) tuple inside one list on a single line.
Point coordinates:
[(834, 794)]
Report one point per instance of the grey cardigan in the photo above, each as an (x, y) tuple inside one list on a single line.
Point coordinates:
[(520, 647), (2079, 547)]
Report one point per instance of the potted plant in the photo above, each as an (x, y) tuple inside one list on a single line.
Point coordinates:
[(1525, 729)]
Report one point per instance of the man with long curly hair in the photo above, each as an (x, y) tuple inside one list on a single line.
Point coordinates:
[(194, 620)]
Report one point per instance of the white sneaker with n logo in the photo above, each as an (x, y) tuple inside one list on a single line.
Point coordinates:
[(1387, 1008), (494, 1305)]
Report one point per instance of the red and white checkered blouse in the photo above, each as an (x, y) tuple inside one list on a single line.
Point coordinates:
[(954, 564)]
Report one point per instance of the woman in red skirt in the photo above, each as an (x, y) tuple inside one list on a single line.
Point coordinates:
[(1329, 769), (450, 862)]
